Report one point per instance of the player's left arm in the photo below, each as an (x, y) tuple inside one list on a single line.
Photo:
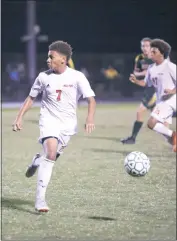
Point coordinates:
[(89, 125), (87, 93), (35, 90), (144, 82), (134, 80)]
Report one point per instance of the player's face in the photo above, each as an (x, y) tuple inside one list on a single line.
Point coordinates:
[(55, 60), (155, 55), (145, 47)]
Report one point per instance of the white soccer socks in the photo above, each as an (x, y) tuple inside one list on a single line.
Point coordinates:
[(162, 129), (43, 177)]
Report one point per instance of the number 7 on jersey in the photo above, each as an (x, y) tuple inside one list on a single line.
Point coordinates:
[(59, 95)]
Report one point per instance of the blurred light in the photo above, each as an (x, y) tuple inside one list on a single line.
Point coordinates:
[(42, 38), (37, 29)]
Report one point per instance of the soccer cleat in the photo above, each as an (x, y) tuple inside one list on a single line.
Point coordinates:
[(174, 141), (32, 168), (58, 155), (41, 206), (128, 140)]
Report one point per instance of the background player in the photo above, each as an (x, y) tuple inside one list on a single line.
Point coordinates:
[(142, 63), (161, 75), (61, 88)]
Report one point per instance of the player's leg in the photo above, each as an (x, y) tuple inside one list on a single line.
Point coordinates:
[(136, 126), (160, 116), (139, 120), (167, 138), (63, 141), (32, 168), (45, 168), (148, 103), (62, 144), (53, 148)]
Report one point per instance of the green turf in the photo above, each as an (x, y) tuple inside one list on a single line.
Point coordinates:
[(91, 196)]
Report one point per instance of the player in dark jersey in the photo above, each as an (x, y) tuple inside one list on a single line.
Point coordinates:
[(142, 62)]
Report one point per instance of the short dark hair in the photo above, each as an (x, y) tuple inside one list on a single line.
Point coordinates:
[(162, 46), (146, 39), (62, 48)]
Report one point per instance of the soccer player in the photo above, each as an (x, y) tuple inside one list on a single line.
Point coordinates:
[(142, 63), (161, 75), (61, 88)]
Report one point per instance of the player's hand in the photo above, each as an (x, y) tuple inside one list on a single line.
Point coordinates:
[(132, 78), (17, 125), (89, 126), (168, 92)]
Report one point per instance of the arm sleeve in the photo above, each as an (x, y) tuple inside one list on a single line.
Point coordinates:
[(84, 86), (37, 87)]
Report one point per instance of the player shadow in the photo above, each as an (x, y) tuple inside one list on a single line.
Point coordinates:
[(101, 138), (109, 151), (16, 204), (100, 218), (125, 153), (112, 126)]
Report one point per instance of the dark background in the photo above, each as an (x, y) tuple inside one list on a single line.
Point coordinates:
[(91, 27)]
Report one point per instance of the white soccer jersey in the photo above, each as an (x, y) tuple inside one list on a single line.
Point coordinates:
[(162, 77), (60, 95)]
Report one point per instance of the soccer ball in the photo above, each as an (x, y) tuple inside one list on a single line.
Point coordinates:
[(137, 164)]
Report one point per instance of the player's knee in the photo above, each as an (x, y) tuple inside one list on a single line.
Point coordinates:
[(151, 123), (166, 124), (139, 114), (51, 156)]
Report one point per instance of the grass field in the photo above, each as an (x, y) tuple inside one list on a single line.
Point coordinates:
[(91, 196)]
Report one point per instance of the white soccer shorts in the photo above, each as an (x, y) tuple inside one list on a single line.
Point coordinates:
[(62, 143), (52, 131), (163, 111)]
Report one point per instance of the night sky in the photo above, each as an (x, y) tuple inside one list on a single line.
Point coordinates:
[(92, 26)]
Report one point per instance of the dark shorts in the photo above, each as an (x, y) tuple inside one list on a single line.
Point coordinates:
[(149, 97)]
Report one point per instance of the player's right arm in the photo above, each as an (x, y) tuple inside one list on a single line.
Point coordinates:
[(35, 90), (134, 80), (144, 82), (17, 125), (137, 67)]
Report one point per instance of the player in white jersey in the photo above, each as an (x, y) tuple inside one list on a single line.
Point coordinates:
[(161, 75), (61, 88)]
